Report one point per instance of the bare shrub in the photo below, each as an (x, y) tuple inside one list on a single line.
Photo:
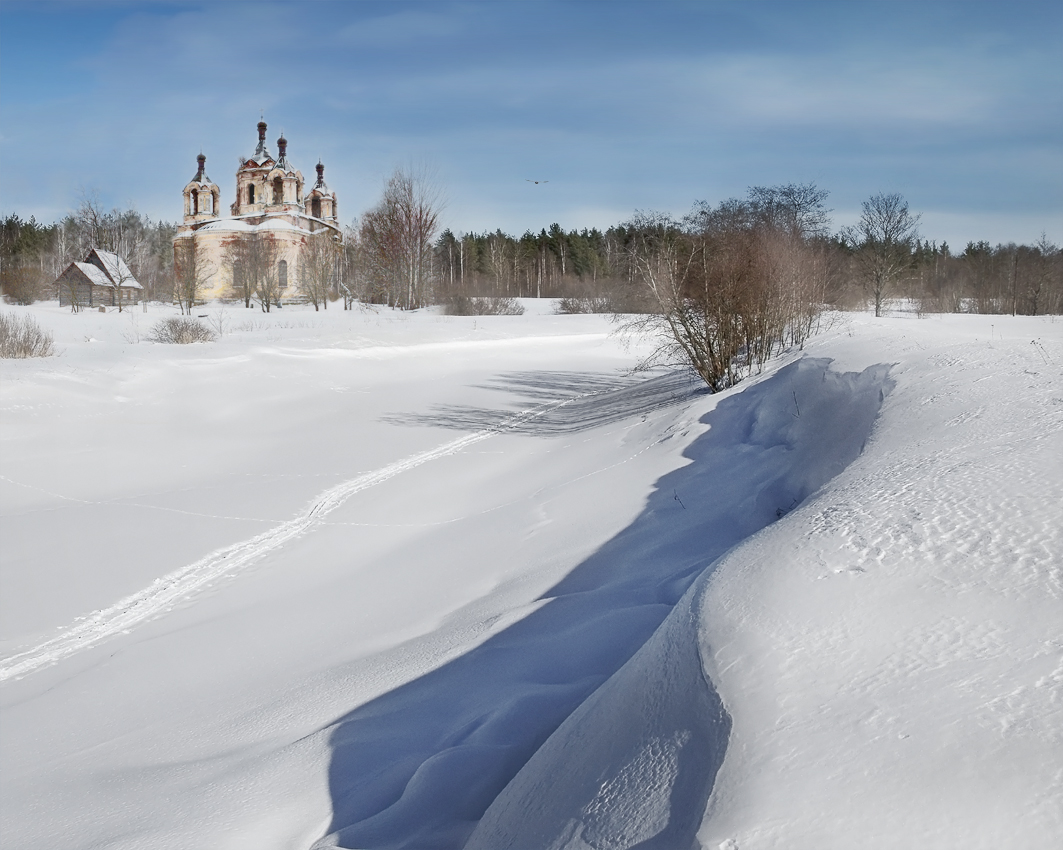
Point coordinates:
[(22, 284), (180, 330), (732, 284), (588, 304), (21, 336), (463, 305)]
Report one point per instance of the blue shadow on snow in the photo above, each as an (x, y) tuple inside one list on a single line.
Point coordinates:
[(419, 766)]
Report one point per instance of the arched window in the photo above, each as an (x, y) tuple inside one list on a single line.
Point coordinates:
[(195, 202), (315, 208), (278, 190), (251, 193), (209, 206), (282, 273)]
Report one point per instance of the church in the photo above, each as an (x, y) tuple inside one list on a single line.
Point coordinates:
[(271, 202)]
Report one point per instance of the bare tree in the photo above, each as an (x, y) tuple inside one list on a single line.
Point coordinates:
[(254, 261), (351, 281), (318, 260), (236, 257), (1045, 262), (92, 222), (120, 276), (883, 240), (192, 274), (268, 284), (396, 237)]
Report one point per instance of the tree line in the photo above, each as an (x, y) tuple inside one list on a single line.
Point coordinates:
[(33, 254), (398, 254), (395, 255)]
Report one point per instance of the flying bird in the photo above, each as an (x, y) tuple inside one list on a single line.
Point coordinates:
[(536, 182)]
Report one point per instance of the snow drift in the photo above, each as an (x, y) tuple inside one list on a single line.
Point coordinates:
[(651, 740)]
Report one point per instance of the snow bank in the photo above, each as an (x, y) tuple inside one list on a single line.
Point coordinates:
[(635, 764), (891, 653)]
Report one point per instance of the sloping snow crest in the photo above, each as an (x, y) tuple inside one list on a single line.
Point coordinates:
[(635, 764), (891, 653)]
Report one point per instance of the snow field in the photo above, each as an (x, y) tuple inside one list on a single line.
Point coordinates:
[(547, 603)]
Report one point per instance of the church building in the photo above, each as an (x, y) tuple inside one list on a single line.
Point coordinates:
[(271, 203)]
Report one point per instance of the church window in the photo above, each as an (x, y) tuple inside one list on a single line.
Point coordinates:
[(278, 190), (195, 202), (315, 208), (251, 193), (282, 273)]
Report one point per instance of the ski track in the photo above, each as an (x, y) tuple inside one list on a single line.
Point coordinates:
[(166, 592)]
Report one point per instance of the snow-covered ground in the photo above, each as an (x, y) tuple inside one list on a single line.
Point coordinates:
[(385, 580)]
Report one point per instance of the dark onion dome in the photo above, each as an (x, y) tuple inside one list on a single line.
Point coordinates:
[(262, 154), (201, 174)]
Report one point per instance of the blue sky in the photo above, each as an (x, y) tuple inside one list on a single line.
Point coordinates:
[(619, 105)]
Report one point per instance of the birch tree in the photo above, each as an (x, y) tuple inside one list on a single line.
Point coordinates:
[(397, 236)]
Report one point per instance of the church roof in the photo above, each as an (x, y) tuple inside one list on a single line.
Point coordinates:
[(282, 156), (321, 187), (236, 225), (261, 155), (200, 176)]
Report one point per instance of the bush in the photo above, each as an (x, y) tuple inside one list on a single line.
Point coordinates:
[(23, 337), (22, 284), (180, 330), (463, 305), (590, 304)]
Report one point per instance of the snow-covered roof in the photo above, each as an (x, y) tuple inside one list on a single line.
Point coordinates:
[(94, 274), (240, 226), (116, 269)]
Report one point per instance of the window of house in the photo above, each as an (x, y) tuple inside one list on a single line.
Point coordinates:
[(282, 273), (315, 208), (195, 202), (278, 190), (251, 193)]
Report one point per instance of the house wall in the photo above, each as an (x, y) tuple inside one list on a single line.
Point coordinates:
[(72, 284)]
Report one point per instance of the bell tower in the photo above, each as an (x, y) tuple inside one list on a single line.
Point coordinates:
[(320, 200), (202, 196)]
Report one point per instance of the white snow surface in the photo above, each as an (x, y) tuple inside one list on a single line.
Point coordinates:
[(376, 579)]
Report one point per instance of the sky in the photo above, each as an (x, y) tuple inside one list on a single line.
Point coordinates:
[(613, 106)]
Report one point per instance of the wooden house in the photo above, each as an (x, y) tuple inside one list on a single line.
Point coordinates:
[(103, 279)]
